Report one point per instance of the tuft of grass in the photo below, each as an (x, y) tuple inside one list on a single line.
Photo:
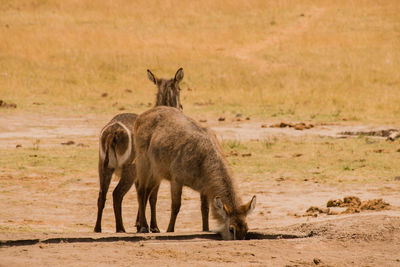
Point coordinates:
[(233, 144), (269, 142)]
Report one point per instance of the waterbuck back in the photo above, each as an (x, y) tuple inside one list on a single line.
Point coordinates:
[(172, 146)]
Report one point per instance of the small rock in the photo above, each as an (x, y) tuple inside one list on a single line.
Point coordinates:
[(299, 127), (233, 153), (202, 120), (68, 143), (246, 155), (149, 104), (239, 115), (82, 145), (121, 108), (297, 155), (221, 119), (316, 261), (128, 90), (264, 126), (104, 95), (18, 145), (37, 103), (397, 178), (247, 118)]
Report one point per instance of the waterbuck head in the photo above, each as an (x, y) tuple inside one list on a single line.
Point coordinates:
[(235, 226), (168, 90)]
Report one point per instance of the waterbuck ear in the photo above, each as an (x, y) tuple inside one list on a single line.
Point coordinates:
[(249, 207), (151, 77), (221, 208), (179, 75)]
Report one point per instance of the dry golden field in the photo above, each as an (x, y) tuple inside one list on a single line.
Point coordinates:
[(301, 60)]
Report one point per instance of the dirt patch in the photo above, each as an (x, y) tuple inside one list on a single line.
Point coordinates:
[(297, 126), (368, 227), (359, 240), (390, 134)]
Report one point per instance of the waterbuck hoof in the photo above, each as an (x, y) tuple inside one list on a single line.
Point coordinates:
[(97, 229), (154, 230), (143, 230), (121, 230)]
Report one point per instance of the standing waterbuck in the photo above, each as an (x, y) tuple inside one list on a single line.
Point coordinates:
[(171, 146), (117, 152)]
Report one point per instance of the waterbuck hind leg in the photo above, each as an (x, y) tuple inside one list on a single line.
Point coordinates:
[(141, 184), (176, 195), (204, 211), (143, 196), (105, 175), (127, 179), (153, 204), (137, 216)]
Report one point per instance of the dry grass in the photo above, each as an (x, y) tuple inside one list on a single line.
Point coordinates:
[(360, 160), (320, 159), (299, 60)]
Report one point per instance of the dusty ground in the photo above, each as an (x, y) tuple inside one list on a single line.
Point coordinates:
[(41, 205)]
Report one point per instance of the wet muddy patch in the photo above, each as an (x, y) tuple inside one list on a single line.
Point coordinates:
[(253, 235)]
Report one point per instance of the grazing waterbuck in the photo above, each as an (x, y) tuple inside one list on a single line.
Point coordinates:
[(117, 152), (172, 146)]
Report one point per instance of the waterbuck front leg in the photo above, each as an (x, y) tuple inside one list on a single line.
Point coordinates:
[(204, 211), (128, 175), (105, 175), (176, 195)]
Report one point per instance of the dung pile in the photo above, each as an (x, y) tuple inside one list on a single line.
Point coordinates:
[(352, 204)]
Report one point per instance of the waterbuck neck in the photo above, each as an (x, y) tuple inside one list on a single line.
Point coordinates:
[(221, 184)]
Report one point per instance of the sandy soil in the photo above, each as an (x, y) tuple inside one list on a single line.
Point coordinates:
[(22, 128), (41, 206)]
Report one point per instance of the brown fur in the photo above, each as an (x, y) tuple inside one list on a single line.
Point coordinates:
[(171, 146), (115, 153)]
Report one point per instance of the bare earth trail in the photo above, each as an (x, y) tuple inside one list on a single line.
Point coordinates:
[(248, 53), (50, 129), (44, 207)]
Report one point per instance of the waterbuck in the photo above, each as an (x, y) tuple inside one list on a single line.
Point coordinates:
[(172, 146), (117, 152)]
